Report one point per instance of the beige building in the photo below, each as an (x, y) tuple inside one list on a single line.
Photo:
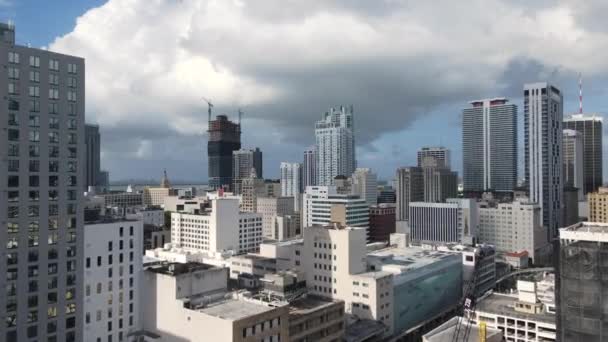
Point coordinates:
[(156, 196), (272, 208), (313, 318), (188, 302), (598, 205)]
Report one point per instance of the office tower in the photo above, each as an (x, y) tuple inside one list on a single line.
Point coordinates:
[(323, 204), (92, 141), (42, 173), (581, 287), (440, 183), (104, 181), (570, 206), (309, 168), (224, 138), (489, 146), (454, 221), (365, 184), (387, 195), (439, 153), (409, 187), (223, 227), (598, 205), (543, 114), (335, 145), (572, 149), (590, 128), (514, 227), (291, 182), (252, 187), (243, 161), (381, 222), (111, 245)]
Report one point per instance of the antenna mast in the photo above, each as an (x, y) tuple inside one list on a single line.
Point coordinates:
[(209, 107), (580, 93)]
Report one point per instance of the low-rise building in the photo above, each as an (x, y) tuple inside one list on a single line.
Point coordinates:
[(122, 199), (112, 279), (456, 220), (188, 302), (314, 318)]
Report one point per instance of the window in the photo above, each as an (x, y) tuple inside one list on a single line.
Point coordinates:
[(34, 151), (72, 152), (13, 134), (54, 137), (53, 93), (34, 91), (13, 57), (34, 136), (53, 151), (34, 76), (34, 106), (34, 181), (72, 138), (13, 165), (53, 123), (35, 61), (53, 166), (72, 68), (13, 88), (53, 108), (72, 82), (13, 150), (53, 64), (13, 181), (34, 120), (13, 73), (71, 123)]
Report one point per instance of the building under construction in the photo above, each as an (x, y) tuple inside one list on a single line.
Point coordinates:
[(582, 283), (224, 138)]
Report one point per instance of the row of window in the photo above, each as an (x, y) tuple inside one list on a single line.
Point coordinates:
[(34, 106), (34, 181), (34, 62), (15, 74), (99, 289), (34, 121), (34, 136), (110, 259), (33, 240), (34, 151), (34, 91), (51, 328)]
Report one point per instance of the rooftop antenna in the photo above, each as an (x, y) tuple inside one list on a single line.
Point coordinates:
[(580, 93), (240, 115), (209, 106)]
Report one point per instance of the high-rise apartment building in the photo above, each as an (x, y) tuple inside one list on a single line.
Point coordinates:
[(581, 289), (243, 162), (335, 145), (454, 221), (41, 192), (439, 153), (291, 182), (365, 184), (409, 187), (224, 138), (92, 141), (113, 269), (590, 127), (489, 146), (543, 115), (309, 168), (572, 150)]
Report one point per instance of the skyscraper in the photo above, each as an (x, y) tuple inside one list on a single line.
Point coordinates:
[(440, 183), (243, 161), (573, 161), (224, 138), (439, 153), (41, 193), (309, 168), (409, 187), (543, 115), (489, 146), (365, 184), (92, 141), (335, 145), (291, 182), (590, 127)]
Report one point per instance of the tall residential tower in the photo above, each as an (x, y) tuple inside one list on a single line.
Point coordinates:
[(41, 193), (92, 140), (489, 146), (335, 145), (309, 168), (543, 115)]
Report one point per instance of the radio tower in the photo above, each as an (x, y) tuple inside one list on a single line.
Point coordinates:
[(580, 93)]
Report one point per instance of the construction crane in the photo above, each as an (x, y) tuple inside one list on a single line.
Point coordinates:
[(209, 106), (467, 310)]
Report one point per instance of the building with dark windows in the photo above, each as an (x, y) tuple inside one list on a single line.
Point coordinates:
[(243, 162), (489, 146), (224, 139), (590, 127), (41, 193), (582, 285), (92, 140), (382, 222)]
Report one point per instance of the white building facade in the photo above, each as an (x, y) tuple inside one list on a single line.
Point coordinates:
[(335, 145), (222, 228), (318, 202), (453, 221), (291, 182), (113, 270)]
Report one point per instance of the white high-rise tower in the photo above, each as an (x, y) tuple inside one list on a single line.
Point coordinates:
[(335, 145), (543, 115)]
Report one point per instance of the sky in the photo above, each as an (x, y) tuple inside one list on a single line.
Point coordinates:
[(407, 67)]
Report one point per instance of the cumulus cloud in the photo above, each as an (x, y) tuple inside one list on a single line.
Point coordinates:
[(149, 63)]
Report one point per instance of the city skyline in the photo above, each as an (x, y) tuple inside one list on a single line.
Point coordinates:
[(414, 116)]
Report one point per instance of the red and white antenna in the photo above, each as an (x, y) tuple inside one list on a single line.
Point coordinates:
[(580, 93)]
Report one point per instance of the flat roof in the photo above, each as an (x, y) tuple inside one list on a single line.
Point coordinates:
[(445, 332), (234, 309), (410, 257), (363, 329), (294, 241), (106, 220), (254, 257), (308, 304), (585, 231), (176, 268), (505, 305)]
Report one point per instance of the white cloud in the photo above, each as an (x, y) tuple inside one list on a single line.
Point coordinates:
[(149, 62)]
